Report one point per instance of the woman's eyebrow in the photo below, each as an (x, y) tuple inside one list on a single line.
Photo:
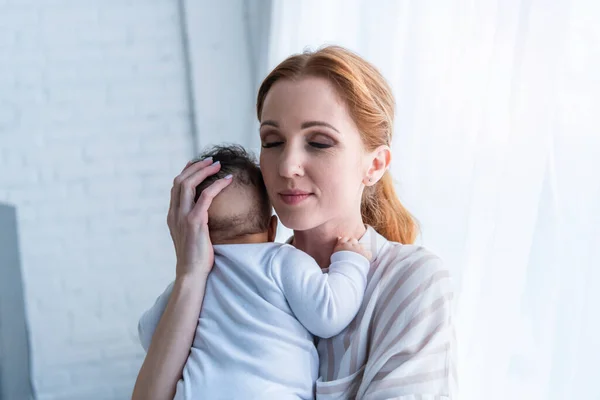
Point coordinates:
[(310, 124), (307, 124), (269, 123)]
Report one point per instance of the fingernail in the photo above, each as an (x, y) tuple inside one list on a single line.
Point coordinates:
[(228, 176), (215, 163), (207, 159)]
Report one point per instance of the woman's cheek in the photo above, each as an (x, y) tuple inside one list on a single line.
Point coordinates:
[(267, 167)]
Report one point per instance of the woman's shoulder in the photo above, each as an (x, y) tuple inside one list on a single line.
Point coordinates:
[(408, 282), (408, 267), (402, 256)]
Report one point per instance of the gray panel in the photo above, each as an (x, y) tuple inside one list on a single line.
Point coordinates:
[(15, 381)]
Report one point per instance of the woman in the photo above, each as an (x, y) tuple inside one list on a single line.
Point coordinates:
[(326, 127)]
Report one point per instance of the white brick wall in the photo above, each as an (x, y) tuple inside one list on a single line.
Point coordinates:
[(94, 124)]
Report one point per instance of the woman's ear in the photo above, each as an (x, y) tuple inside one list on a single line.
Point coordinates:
[(380, 162), (272, 232)]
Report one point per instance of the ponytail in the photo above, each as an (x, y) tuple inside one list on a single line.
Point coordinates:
[(382, 209)]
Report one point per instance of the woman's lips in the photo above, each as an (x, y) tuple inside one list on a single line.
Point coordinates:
[(293, 198)]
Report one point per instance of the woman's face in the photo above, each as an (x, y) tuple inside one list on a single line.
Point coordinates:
[(312, 158)]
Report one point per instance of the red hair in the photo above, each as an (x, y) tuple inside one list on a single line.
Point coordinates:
[(371, 105)]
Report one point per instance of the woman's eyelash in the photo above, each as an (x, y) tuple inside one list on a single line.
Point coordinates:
[(320, 145), (316, 145), (271, 144)]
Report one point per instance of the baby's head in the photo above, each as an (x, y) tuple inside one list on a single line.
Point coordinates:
[(241, 213)]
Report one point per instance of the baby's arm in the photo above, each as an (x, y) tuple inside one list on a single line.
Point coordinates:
[(325, 303), (150, 318)]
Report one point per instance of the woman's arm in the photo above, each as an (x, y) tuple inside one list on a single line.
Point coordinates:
[(151, 317), (172, 340)]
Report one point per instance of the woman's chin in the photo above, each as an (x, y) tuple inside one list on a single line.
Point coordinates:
[(297, 221)]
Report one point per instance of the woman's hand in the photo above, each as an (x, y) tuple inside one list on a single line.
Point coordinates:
[(174, 334), (188, 221)]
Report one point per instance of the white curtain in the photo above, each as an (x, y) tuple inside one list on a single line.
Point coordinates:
[(497, 153)]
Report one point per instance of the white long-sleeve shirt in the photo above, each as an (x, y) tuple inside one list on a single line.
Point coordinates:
[(262, 305)]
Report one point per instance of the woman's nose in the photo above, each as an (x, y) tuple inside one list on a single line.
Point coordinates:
[(291, 164)]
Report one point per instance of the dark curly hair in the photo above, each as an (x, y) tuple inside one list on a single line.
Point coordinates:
[(235, 160)]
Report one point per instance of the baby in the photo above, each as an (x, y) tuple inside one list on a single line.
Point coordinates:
[(264, 302)]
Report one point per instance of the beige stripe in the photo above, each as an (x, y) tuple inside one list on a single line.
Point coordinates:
[(330, 360), (437, 276), (401, 281), (342, 386), (408, 380), (407, 274), (398, 359), (388, 271), (416, 350), (422, 316)]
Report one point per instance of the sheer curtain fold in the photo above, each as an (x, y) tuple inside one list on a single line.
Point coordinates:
[(497, 153)]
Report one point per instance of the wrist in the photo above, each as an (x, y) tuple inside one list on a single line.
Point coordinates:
[(191, 276)]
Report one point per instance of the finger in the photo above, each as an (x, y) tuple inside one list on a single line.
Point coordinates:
[(206, 198), (188, 186), (193, 167), (176, 190), (353, 241), (174, 202)]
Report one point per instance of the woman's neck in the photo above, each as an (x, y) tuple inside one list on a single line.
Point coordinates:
[(319, 242)]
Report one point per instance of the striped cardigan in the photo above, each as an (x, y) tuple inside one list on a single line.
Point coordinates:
[(401, 344)]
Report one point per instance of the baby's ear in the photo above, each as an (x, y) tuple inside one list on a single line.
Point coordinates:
[(272, 228)]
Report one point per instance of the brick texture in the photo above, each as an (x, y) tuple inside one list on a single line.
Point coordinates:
[(94, 125)]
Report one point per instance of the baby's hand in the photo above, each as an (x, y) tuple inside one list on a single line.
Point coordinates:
[(351, 244)]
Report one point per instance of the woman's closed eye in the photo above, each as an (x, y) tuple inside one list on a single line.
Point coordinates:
[(320, 145), (268, 145), (321, 141), (316, 141), (316, 145)]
